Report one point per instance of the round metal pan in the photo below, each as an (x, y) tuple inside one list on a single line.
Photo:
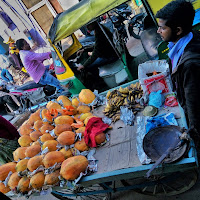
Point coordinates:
[(158, 140)]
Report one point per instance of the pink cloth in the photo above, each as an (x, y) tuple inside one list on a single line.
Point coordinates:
[(94, 126), (33, 63)]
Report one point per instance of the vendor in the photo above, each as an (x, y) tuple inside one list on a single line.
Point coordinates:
[(175, 26)]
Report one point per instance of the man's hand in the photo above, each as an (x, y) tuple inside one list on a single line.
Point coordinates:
[(80, 67), (89, 53)]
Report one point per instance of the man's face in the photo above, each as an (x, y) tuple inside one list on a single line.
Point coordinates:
[(26, 46), (165, 31)]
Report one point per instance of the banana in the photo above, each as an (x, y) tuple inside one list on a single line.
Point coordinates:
[(124, 95), (123, 90), (132, 99), (116, 117), (126, 102), (108, 94)]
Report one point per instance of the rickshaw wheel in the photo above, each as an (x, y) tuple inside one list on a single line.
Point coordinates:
[(96, 192), (173, 184)]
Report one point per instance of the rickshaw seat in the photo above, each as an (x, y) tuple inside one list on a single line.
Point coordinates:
[(113, 73)]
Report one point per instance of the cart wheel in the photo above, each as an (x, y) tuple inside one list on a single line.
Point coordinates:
[(97, 192), (173, 184)]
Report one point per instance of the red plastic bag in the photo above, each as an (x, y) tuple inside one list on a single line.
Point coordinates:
[(171, 101)]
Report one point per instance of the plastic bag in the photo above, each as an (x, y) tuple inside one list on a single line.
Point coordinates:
[(171, 101), (156, 99), (127, 115), (141, 132), (161, 120)]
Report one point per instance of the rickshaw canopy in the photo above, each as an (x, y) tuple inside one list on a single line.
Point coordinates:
[(80, 14)]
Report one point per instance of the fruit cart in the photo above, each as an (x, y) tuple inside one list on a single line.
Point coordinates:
[(119, 168)]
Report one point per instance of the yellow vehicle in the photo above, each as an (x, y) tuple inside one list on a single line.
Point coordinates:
[(65, 44)]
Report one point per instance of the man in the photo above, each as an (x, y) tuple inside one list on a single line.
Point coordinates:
[(103, 52), (175, 26), (33, 63)]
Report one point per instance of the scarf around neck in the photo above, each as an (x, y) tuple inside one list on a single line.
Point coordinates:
[(176, 50)]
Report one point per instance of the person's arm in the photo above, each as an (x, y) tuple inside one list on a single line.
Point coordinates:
[(3, 75), (95, 52), (40, 56), (191, 87)]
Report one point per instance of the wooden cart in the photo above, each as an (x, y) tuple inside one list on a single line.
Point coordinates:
[(118, 163)]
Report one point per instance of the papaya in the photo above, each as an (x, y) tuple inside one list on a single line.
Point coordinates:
[(35, 143), (73, 166), (37, 181), (83, 116), (61, 128), (25, 141), (66, 138), (23, 185), (86, 96), (65, 100), (46, 128), (77, 116), (35, 135), (100, 138), (38, 124), (5, 169), (19, 153), (35, 162), (53, 105), (32, 151), (33, 118), (64, 119), (21, 165), (44, 116), (26, 129), (13, 180), (87, 119), (46, 137), (81, 130), (53, 157), (51, 144), (75, 102), (51, 179), (4, 189), (83, 109), (81, 145), (66, 153)]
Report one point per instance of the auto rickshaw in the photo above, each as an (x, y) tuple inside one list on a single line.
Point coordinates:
[(65, 43)]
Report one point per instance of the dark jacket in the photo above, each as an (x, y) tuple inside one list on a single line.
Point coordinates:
[(186, 79), (7, 130), (102, 48)]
